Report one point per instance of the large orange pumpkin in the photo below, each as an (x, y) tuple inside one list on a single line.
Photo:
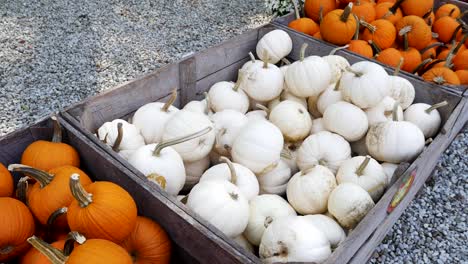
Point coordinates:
[(338, 26), (33, 256), (312, 8), (441, 75), (148, 243), (388, 11), (418, 32), (382, 32), (417, 7), (6, 182), (390, 56), (45, 155), (101, 210), (463, 76), (445, 28), (447, 10), (16, 225)]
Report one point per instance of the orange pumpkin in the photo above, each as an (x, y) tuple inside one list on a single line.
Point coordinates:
[(418, 32), (317, 35), (17, 224), (388, 11), (46, 155), (93, 251), (430, 51), (338, 26), (390, 56), (364, 11), (460, 61), (33, 256), (386, 1), (148, 243), (463, 76), (101, 210), (304, 25), (429, 18), (417, 7), (446, 50), (445, 28), (442, 76), (361, 47), (411, 56), (382, 32), (447, 10), (6, 182), (312, 8)]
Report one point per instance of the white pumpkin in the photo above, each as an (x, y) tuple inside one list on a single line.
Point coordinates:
[(250, 63), (401, 90), (198, 107), (349, 203), (228, 124), (329, 227), (426, 117), (291, 157), (312, 106), (274, 46), (389, 169), (243, 242), (317, 126), (265, 209), (365, 172), (285, 95), (330, 96), (235, 173), (258, 146), (185, 122), (383, 111), (276, 180), (308, 190), (364, 84), (338, 65), (227, 95), (222, 204), (347, 120), (257, 115), (395, 141), (283, 69), (323, 148), (294, 239), (194, 170), (121, 136), (359, 147), (151, 118), (308, 76), (263, 82), (292, 119)]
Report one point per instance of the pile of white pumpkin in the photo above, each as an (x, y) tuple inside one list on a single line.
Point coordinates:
[(279, 132)]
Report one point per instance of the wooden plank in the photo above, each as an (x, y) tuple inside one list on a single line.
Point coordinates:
[(425, 167), (187, 79)]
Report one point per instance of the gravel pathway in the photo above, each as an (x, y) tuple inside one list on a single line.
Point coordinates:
[(54, 53)]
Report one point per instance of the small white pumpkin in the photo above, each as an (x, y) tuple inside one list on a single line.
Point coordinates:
[(338, 64), (330, 96), (292, 119), (276, 180), (185, 122), (401, 90), (312, 106), (274, 46), (228, 124), (258, 146), (323, 148), (365, 172), (308, 76), (308, 190), (227, 95), (151, 118), (235, 173), (383, 111), (364, 84), (426, 117), (291, 156), (257, 115), (243, 242), (121, 136), (329, 227), (359, 147), (389, 169), (222, 204), (194, 170), (265, 209), (294, 239), (285, 95), (347, 120), (395, 141), (262, 82), (349, 203), (250, 63), (317, 126)]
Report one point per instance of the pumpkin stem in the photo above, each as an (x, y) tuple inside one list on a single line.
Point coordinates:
[(369, 26), (267, 58), (264, 108), (358, 26), (72, 238), (232, 169), (285, 61), (44, 178), (160, 180), (398, 67), (395, 111), (433, 45), (333, 51), (302, 52), (346, 12), (6, 250), (175, 141), (218, 135), (252, 57), (320, 15), (54, 255), (22, 189), (240, 78), (184, 200), (455, 33), (428, 13), (337, 86), (286, 154), (57, 137), (356, 73), (362, 167), (392, 10), (296, 9), (52, 218), (428, 141), (451, 12), (306, 171), (208, 102), (171, 100), (119, 138), (405, 42), (435, 106), (79, 193), (268, 221), (439, 80), (376, 47), (422, 65)]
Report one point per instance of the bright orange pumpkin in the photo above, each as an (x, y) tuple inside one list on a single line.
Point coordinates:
[(361, 47), (312, 8), (364, 11), (447, 10), (338, 26), (6, 182), (387, 10), (441, 75), (304, 25), (390, 56), (460, 61), (463, 76), (317, 35), (382, 32), (445, 28), (417, 7), (418, 32), (430, 51), (33, 256)]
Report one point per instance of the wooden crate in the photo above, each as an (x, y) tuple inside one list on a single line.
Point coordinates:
[(198, 72), (460, 89)]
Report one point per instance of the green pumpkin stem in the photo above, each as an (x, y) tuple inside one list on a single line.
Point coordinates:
[(54, 255), (72, 238), (346, 13), (337, 85), (51, 220), (404, 32), (296, 9), (285, 61), (433, 45), (358, 26), (57, 136), (208, 102), (119, 138), (162, 145), (302, 52), (362, 167), (398, 67), (79, 193), (392, 10), (428, 13), (367, 25), (171, 101), (22, 189), (240, 78), (232, 169), (252, 57), (436, 106), (376, 47), (453, 51), (422, 65), (395, 111), (333, 51), (451, 12), (264, 108), (453, 38), (356, 73), (43, 177)]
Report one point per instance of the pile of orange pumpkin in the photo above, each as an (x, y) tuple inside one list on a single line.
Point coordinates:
[(56, 197), (432, 43)]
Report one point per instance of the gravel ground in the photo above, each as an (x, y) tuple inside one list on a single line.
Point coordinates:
[(54, 53)]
